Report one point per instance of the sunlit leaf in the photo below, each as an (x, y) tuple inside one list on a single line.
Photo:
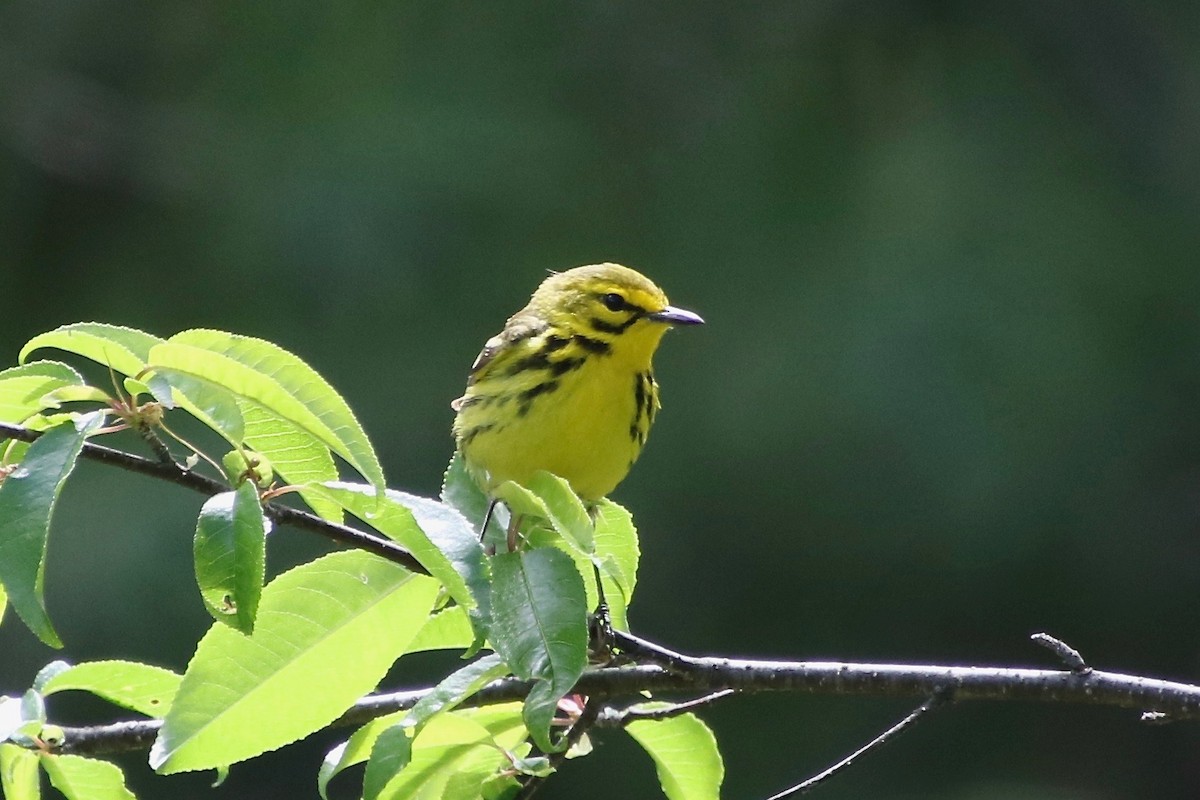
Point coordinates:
[(326, 633), (685, 754), (207, 400), (271, 377), (23, 389), (80, 778), (27, 500), (20, 778), (297, 456), (391, 753), (354, 750), (564, 508), (449, 629), (74, 394), (450, 748), (123, 349), (143, 688), (502, 721)]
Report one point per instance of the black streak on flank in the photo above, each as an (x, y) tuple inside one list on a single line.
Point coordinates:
[(478, 429), (651, 393), (641, 409), (527, 397), (555, 343), (597, 346)]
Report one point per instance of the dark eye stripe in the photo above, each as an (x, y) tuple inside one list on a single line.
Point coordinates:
[(625, 304), (613, 328)]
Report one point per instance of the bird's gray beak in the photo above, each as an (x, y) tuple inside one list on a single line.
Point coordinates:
[(676, 316)]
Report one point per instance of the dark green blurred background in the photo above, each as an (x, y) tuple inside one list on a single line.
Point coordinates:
[(947, 392)]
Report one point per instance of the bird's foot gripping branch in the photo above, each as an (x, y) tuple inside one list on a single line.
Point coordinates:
[(418, 579)]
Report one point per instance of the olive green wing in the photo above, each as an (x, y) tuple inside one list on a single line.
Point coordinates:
[(518, 329)]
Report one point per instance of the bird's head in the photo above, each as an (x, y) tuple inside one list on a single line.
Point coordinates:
[(610, 303)]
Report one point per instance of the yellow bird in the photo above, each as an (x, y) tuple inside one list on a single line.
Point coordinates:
[(567, 386)]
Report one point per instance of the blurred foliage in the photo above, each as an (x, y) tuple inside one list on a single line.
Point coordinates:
[(948, 255)]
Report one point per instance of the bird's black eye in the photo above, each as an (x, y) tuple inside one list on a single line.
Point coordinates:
[(613, 301)]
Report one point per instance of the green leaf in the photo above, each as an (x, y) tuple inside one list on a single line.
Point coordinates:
[(502, 721), (456, 687), (82, 778), (616, 556), (123, 349), (391, 753), (354, 750), (296, 456), (617, 548), (140, 687), (74, 394), (440, 538), (27, 499), (46, 673), (19, 777), (450, 748), (550, 498), (206, 400), (230, 555), (269, 376), (521, 501), (685, 754), (326, 633), (33, 707), (23, 389), (459, 491), (565, 510), (539, 626), (449, 629)]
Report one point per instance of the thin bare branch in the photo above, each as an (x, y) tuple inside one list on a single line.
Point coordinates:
[(173, 472), (1177, 700), (804, 787), (617, 717)]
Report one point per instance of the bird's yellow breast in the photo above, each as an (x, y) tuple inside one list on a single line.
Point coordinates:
[(587, 424)]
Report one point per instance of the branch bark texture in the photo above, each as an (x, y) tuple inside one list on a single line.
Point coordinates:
[(1179, 701), (661, 670)]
